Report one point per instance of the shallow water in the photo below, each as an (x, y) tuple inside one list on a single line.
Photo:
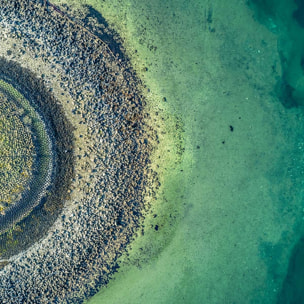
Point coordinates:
[(227, 78)]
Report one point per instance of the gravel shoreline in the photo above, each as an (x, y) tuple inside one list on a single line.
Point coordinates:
[(113, 145)]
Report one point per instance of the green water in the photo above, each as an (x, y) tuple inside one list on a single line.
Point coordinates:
[(230, 210)]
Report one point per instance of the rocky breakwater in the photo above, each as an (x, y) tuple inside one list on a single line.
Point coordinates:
[(91, 100)]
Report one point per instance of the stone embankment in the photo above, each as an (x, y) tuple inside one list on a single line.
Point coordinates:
[(104, 191)]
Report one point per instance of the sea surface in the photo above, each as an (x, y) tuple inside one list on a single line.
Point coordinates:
[(225, 79)]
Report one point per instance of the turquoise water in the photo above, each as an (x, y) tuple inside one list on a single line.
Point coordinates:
[(230, 209), (287, 21)]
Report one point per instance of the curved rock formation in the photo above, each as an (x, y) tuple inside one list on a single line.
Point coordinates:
[(68, 246)]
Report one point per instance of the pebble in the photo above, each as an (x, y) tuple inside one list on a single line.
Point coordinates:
[(79, 252)]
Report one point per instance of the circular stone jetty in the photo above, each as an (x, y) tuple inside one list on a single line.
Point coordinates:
[(78, 169)]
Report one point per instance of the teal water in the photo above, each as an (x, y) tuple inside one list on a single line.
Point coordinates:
[(287, 21), (230, 210)]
